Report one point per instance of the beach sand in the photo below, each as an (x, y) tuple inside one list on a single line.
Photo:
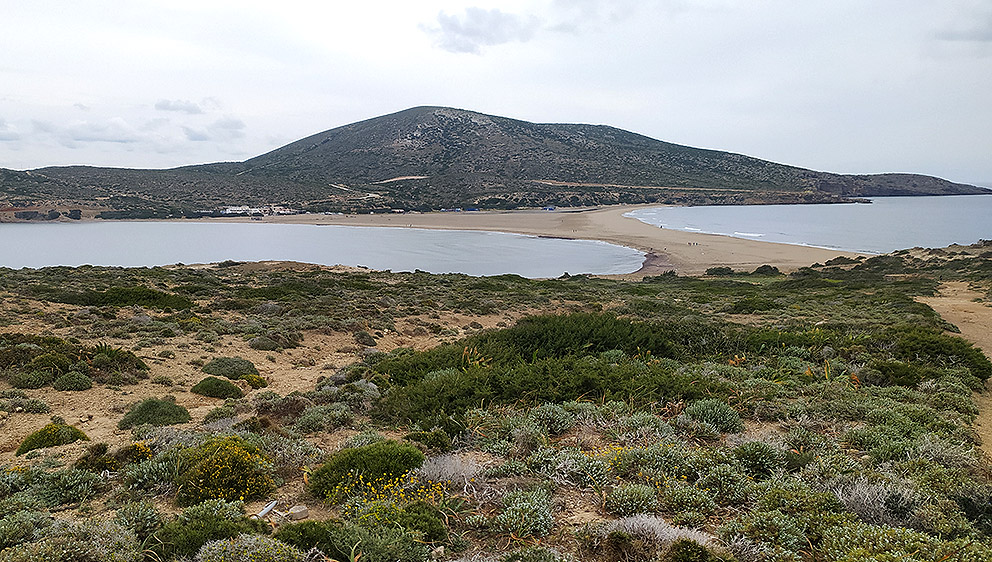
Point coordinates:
[(687, 253)]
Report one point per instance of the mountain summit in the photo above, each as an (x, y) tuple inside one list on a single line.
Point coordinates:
[(433, 157)]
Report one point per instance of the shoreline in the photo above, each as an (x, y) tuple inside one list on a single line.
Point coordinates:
[(665, 250)]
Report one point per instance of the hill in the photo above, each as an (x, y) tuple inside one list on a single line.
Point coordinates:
[(428, 158)]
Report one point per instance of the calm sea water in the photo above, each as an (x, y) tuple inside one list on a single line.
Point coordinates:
[(399, 249), (886, 225)]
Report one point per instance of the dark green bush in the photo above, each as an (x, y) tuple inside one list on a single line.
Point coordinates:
[(437, 439), (759, 459), (66, 486), (155, 412), (719, 271), (230, 367), (141, 517), (30, 379), (336, 539), (52, 435), (750, 305), (196, 525), (73, 380), (686, 550), (424, 518), (217, 388), (386, 459)]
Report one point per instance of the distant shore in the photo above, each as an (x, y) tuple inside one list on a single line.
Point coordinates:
[(665, 250)]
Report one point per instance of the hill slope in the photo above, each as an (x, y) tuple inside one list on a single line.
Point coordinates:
[(433, 157)]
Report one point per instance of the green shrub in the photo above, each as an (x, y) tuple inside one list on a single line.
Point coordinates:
[(96, 459), (716, 413), (217, 388), (424, 518), (208, 521), (719, 271), (386, 459), (52, 435), (226, 468), (629, 499), (687, 504), (220, 413), (770, 528), (759, 459), (336, 539), (141, 518), (436, 440), (687, 550), (230, 367), (30, 379), (66, 486), (154, 411), (73, 380), (20, 527), (90, 540), (248, 548), (533, 554), (14, 400), (526, 513), (323, 418)]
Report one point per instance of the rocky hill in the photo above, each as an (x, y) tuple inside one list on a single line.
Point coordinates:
[(433, 157)]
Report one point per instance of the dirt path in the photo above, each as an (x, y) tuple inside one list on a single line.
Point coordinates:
[(956, 304)]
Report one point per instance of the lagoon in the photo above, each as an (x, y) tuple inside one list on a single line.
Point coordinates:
[(135, 244), (885, 225)]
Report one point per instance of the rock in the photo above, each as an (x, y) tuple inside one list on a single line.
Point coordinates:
[(298, 512)]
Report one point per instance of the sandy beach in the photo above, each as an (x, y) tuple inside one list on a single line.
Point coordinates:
[(685, 252)]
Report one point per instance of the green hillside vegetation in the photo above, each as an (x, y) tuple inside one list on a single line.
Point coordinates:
[(429, 158), (599, 420)]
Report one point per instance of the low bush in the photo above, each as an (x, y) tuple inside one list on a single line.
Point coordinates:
[(154, 411), (217, 388), (759, 459), (30, 379), (226, 468), (716, 413), (340, 540), (526, 513), (629, 499), (22, 526), (248, 548), (230, 367), (89, 540), (54, 434), (141, 518), (386, 459), (66, 486), (73, 380), (208, 521)]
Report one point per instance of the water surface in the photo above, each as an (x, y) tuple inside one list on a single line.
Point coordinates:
[(132, 244), (885, 225)]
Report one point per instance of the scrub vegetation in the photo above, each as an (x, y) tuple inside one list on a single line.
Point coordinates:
[(823, 415)]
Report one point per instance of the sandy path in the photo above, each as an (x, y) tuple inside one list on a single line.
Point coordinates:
[(686, 252), (956, 304)]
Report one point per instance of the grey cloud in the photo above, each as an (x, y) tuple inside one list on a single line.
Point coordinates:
[(7, 132), (227, 128), (81, 107), (184, 106), (114, 130), (195, 134), (978, 29), (479, 28)]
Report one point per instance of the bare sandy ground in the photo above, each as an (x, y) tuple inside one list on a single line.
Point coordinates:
[(685, 252), (956, 303)]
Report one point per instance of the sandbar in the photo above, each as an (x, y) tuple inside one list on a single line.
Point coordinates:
[(687, 253)]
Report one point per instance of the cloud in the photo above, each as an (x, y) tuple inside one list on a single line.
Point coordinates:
[(479, 28), (184, 106), (978, 28), (81, 107), (195, 135), (114, 130), (7, 132)]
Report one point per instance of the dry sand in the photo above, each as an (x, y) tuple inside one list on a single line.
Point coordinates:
[(685, 252)]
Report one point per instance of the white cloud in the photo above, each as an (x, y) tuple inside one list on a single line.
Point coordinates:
[(185, 106), (478, 28)]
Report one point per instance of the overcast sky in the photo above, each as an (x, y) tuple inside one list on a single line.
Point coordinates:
[(856, 86)]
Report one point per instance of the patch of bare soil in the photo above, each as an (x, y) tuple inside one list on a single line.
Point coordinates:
[(957, 303)]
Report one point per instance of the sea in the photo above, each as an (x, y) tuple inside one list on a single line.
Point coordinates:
[(885, 225), (135, 244)]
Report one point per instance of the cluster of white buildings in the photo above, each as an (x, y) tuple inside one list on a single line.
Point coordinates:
[(263, 210)]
